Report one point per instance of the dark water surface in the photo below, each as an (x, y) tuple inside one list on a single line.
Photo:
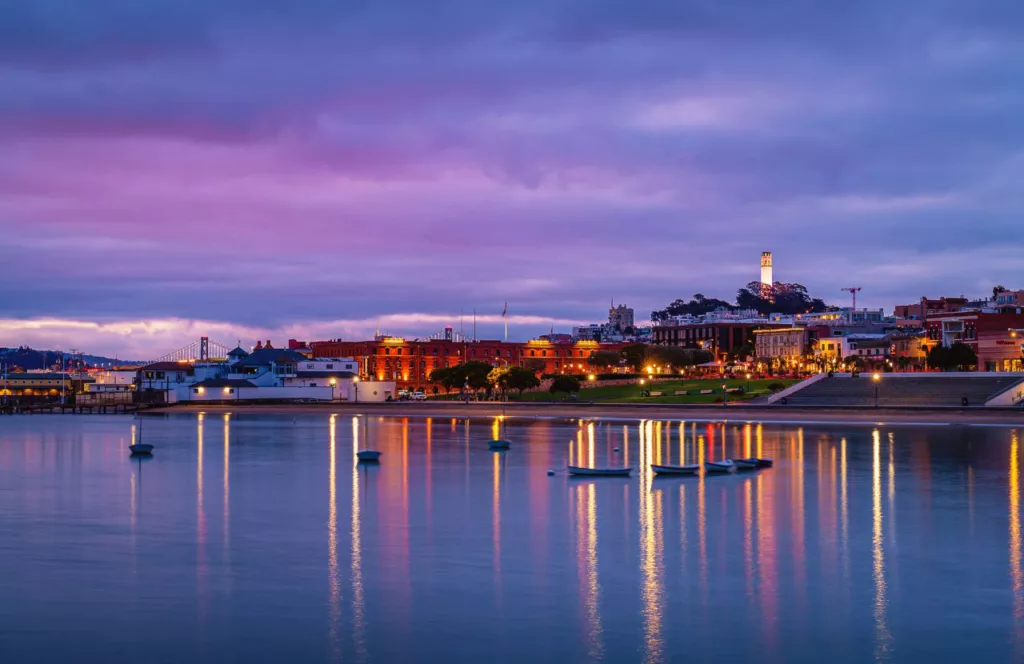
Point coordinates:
[(257, 539)]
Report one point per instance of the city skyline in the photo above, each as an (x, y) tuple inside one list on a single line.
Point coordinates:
[(187, 169)]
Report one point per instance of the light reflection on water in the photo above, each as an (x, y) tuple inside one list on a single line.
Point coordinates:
[(453, 552)]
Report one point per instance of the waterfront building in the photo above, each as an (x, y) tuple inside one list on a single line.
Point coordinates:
[(409, 363), (783, 343), (995, 335), (37, 384)]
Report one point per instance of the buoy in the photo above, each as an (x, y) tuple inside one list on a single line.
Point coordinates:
[(550, 472), (616, 450)]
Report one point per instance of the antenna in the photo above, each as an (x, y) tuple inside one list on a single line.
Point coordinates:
[(853, 290)]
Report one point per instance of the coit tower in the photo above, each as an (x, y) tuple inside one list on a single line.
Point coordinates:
[(766, 268)]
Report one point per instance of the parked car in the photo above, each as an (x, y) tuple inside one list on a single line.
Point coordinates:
[(418, 396)]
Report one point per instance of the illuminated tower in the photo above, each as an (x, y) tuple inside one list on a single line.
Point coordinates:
[(766, 268)]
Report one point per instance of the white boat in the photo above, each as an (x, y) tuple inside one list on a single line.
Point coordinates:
[(599, 472), (499, 444), (368, 455), (726, 466), (690, 469)]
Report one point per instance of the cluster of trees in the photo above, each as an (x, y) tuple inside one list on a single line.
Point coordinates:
[(780, 297), (638, 356), (959, 357), (478, 376)]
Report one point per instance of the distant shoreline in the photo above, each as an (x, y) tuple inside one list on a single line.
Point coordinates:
[(782, 414)]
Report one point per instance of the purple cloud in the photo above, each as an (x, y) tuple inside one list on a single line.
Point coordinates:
[(244, 164)]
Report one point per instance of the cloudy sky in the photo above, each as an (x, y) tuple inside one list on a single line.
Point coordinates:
[(307, 168)]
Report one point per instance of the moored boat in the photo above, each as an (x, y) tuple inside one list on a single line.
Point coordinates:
[(726, 466), (691, 469), (745, 464), (764, 463), (368, 456), (499, 444), (141, 449), (599, 472)]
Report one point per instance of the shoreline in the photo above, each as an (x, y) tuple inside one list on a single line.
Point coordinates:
[(767, 414)]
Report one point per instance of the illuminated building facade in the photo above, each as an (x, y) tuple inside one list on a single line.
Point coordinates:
[(410, 363)]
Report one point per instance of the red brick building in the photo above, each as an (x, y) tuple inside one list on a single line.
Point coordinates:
[(409, 363), (995, 336)]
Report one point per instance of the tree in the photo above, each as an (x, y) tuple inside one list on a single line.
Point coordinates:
[(498, 378), (741, 353), (996, 290), (520, 378), (697, 306), (635, 356), (567, 384), (959, 356), (475, 374), (604, 359), (446, 378), (780, 297)]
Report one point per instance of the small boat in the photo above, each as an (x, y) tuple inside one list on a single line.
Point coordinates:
[(499, 444), (745, 464), (599, 472), (691, 469), (140, 448), (368, 456), (764, 463), (726, 466)]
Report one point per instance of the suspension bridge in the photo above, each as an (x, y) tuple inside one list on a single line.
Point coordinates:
[(200, 350)]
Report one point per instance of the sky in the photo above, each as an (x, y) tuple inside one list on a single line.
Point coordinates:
[(258, 168)]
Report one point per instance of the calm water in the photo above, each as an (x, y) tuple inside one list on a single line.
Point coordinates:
[(255, 538)]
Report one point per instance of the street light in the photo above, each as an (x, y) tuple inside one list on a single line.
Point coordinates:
[(334, 383), (355, 384), (876, 378)]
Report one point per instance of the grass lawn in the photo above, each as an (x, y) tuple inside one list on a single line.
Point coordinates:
[(631, 393)]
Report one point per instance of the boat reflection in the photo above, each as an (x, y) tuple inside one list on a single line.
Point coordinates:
[(333, 573), (651, 549)]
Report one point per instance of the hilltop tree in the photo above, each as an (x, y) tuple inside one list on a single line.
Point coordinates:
[(780, 298), (695, 307)]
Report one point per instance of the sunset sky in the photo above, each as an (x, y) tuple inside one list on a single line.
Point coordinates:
[(246, 168)]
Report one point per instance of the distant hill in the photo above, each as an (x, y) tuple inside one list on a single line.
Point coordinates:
[(30, 359)]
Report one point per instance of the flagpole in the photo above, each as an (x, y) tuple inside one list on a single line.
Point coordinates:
[(505, 316)]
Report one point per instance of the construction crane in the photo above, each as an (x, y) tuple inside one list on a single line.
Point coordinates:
[(853, 290)]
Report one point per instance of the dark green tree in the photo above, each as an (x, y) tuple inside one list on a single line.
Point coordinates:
[(520, 378), (567, 384), (958, 357), (635, 356), (605, 359)]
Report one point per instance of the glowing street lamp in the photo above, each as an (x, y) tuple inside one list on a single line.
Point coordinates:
[(876, 378)]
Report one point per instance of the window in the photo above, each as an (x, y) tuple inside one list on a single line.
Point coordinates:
[(330, 366)]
